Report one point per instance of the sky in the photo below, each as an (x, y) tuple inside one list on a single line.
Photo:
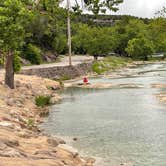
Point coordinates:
[(141, 8)]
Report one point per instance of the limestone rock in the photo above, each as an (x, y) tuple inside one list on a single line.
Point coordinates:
[(10, 152), (46, 153), (55, 99), (59, 140), (2, 146), (10, 102), (53, 142), (11, 143), (7, 124), (68, 148)]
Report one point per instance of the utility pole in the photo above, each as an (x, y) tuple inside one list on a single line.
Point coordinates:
[(69, 31)]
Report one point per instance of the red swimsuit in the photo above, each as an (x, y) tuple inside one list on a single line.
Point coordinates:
[(85, 80)]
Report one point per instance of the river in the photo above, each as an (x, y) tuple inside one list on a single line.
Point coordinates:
[(120, 125)]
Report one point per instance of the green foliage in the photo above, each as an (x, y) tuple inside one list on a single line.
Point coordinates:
[(59, 44), (109, 64), (140, 48), (30, 123), (43, 25), (42, 101), (94, 41), (157, 34), (164, 57), (1, 61), (33, 54), (14, 17), (17, 63), (97, 6)]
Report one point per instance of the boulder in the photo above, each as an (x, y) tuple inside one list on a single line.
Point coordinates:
[(55, 99), (53, 142), (10, 102), (60, 141)]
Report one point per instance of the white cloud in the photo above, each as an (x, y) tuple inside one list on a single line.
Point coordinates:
[(141, 8)]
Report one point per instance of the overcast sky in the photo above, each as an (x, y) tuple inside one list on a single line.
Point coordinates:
[(141, 8)]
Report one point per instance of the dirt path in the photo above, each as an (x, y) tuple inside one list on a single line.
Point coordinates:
[(64, 62), (77, 59)]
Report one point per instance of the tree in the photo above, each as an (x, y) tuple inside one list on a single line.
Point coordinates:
[(161, 13), (95, 41), (140, 48), (14, 16), (157, 33), (127, 29), (99, 42), (97, 6)]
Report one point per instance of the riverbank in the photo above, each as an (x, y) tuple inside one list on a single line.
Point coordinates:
[(21, 141)]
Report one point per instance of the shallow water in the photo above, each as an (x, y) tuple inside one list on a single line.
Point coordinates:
[(117, 125)]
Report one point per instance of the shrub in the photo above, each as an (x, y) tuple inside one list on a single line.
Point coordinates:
[(30, 123), (42, 101), (1, 61), (33, 54), (17, 62), (164, 57), (59, 44)]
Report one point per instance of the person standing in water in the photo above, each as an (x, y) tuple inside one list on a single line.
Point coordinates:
[(85, 80)]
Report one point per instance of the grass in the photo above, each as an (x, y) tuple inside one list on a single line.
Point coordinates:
[(42, 101), (110, 64), (30, 123)]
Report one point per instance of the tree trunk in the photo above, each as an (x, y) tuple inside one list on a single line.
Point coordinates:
[(69, 31), (9, 70), (95, 57)]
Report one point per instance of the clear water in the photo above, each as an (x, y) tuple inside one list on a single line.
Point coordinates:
[(117, 125)]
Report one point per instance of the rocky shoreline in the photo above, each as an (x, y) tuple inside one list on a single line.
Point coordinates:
[(21, 141)]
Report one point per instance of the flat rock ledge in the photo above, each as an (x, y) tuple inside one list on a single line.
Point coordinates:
[(162, 97), (103, 85)]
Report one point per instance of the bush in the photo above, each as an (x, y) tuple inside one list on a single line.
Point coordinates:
[(42, 101), (30, 123), (33, 54), (140, 48), (1, 61), (164, 57), (17, 62), (60, 44)]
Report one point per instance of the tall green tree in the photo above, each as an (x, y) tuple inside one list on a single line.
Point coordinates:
[(14, 17), (140, 48), (157, 33), (97, 6)]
